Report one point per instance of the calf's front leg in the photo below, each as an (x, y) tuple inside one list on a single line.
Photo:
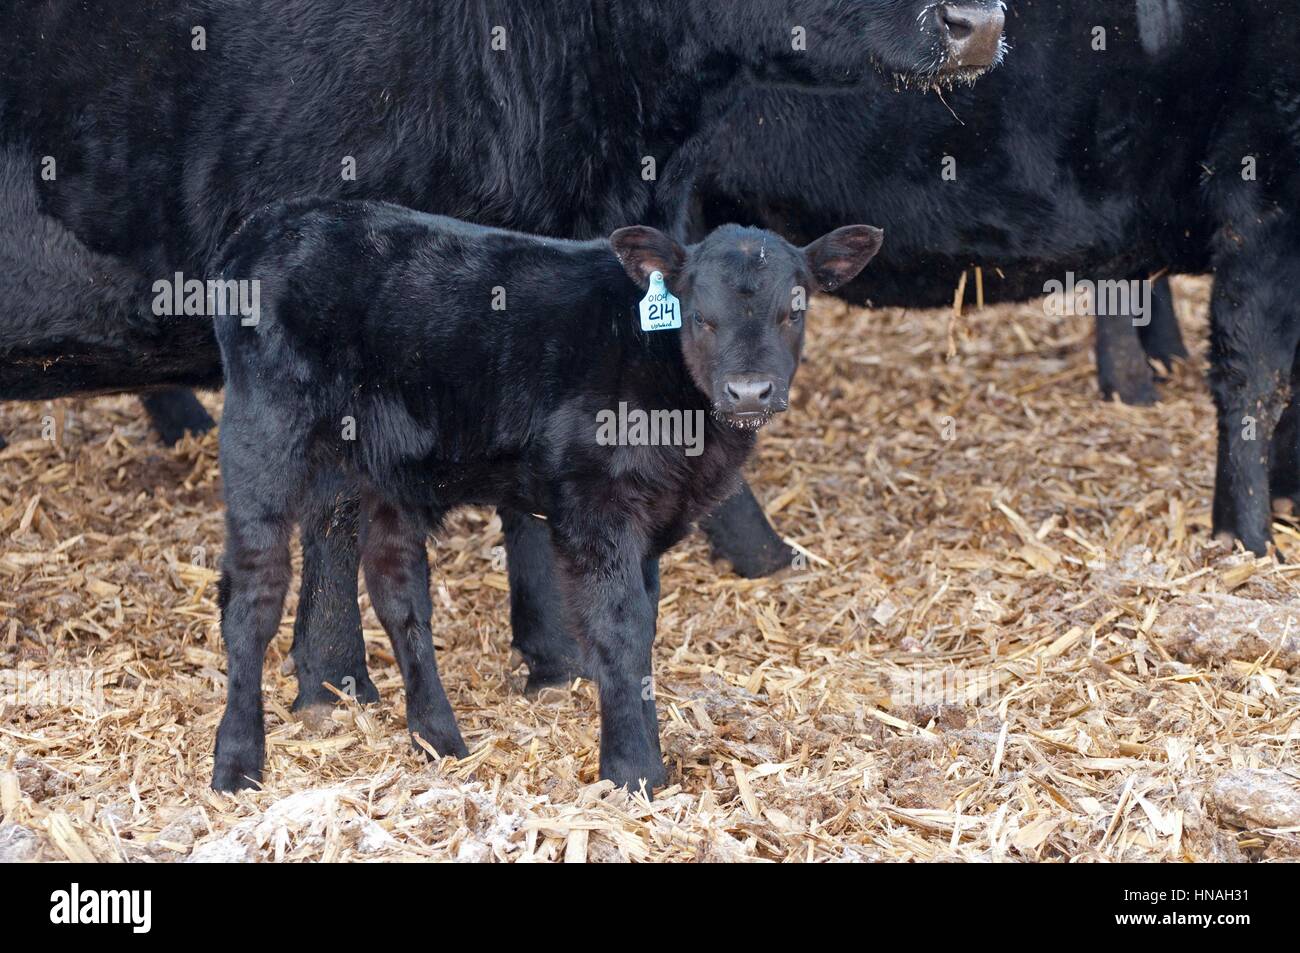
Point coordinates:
[(607, 581), (739, 532), (327, 642)]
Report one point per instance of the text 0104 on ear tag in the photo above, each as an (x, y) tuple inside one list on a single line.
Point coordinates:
[(660, 309)]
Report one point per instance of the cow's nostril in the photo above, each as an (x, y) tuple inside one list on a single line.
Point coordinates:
[(972, 33), (959, 27), (765, 392)]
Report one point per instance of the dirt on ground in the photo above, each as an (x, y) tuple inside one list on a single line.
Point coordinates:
[(1008, 636)]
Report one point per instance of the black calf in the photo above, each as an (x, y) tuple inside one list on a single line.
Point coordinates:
[(378, 354)]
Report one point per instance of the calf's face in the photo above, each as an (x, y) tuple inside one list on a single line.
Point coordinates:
[(744, 293)]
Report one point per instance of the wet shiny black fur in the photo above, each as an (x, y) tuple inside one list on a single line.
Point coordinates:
[(435, 364)]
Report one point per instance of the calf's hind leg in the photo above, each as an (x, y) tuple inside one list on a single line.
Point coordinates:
[(537, 618), (255, 577), (397, 577)]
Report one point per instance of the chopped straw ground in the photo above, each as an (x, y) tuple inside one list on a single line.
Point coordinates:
[(1101, 681)]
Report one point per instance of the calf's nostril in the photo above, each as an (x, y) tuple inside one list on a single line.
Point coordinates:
[(749, 396)]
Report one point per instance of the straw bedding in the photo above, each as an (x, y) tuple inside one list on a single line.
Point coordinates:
[(1010, 638)]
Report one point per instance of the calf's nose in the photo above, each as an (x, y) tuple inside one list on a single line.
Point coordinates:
[(749, 396), (972, 32)]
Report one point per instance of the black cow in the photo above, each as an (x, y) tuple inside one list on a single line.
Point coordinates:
[(475, 365), (1121, 140), (135, 136)]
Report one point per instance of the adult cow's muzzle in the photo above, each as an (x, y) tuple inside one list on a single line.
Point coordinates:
[(972, 33)]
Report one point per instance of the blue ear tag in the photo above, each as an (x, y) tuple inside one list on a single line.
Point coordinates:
[(660, 309)]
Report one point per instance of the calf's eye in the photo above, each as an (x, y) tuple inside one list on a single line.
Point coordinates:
[(698, 319)]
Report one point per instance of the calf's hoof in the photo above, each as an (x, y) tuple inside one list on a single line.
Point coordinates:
[(312, 692), (237, 766), (548, 676), (739, 532), (630, 773), (767, 560), (443, 739)]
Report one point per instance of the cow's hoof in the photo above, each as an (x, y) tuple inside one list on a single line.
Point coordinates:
[(1135, 390), (174, 413), (1257, 544)]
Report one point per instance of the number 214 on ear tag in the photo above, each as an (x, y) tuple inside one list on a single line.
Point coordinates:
[(660, 309)]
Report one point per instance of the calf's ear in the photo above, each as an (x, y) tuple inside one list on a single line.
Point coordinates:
[(643, 251), (836, 259)]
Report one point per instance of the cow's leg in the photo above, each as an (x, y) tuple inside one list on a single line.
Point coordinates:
[(740, 533), (1254, 330), (1162, 339), (174, 412), (1122, 368), (603, 573), (396, 565), (1284, 468), (327, 641), (538, 619)]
